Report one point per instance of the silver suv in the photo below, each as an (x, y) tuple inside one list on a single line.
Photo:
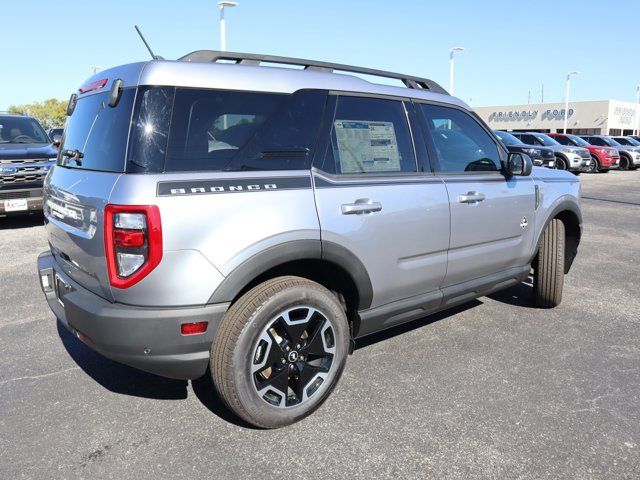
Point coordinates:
[(256, 220)]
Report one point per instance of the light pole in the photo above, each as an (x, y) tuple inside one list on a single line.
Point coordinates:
[(566, 100), (223, 26), (637, 125), (453, 50)]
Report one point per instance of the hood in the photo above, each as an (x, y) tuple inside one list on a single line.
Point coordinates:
[(26, 151), (553, 174)]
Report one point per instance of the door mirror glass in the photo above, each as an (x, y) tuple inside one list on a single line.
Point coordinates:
[(519, 164)]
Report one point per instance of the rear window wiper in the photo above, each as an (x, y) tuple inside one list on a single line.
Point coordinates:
[(75, 155)]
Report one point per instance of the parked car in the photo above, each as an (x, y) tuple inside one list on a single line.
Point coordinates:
[(629, 155), (26, 155), (55, 134), (635, 137), (603, 159), (327, 208), (574, 159), (541, 156)]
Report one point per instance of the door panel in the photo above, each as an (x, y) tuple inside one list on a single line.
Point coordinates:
[(403, 245), (491, 215), (491, 235)]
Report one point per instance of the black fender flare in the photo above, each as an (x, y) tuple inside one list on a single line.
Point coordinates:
[(291, 251), (566, 205)]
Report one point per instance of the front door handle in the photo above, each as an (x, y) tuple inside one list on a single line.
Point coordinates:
[(471, 197), (360, 206)]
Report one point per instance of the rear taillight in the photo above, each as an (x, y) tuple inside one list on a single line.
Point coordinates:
[(133, 242)]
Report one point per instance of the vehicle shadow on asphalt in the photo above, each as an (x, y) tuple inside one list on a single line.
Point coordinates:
[(520, 295), (22, 221), (206, 392), (119, 378)]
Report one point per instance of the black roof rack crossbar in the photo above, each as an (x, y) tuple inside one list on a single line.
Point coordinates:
[(256, 59)]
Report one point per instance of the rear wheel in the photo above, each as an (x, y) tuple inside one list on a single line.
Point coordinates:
[(593, 166), (279, 351), (548, 268)]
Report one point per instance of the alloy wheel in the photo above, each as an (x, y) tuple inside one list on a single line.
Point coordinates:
[(293, 356)]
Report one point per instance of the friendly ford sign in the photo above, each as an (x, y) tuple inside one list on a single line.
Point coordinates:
[(528, 115)]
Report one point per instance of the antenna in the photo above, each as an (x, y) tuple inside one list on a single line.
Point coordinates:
[(155, 57)]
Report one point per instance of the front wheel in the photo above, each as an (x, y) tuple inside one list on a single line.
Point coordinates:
[(548, 268), (593, 166), (561, 164), (624, 162), (279, 351)]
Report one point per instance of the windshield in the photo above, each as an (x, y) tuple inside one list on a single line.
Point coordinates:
[(627, 141), (610, 141), (578, 141), (507, 138), (16, 129), (545, 140)]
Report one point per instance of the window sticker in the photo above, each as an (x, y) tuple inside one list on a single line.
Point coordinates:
[(367, 146)]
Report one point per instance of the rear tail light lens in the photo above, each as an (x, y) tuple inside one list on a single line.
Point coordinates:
[(133, 242)]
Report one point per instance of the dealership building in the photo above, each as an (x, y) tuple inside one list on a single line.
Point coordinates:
[(600, 117)]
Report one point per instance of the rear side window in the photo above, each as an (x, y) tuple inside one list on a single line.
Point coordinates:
[(235, 131), (460, 143), (563, 140), (369, 135), (100, 132)]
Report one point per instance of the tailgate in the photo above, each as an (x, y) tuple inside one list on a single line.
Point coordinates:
[(74, 202)]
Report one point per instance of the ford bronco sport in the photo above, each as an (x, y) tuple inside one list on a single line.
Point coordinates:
[(255, 219)]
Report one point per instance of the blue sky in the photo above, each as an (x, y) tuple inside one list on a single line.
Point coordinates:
[(511, 46)]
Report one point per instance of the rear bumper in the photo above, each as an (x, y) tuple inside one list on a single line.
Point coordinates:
[(145, 338), (32, 196)]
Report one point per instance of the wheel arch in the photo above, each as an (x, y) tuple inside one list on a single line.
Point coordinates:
[(571, 216), (330, 264)]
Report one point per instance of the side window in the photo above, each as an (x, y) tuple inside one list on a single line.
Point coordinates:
[(530, 140), (563, 140), (596, 141), (460, 143), (369, 135), (236, 131)]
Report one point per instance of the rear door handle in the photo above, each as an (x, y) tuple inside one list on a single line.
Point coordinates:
[(362, 205), (471, 197)]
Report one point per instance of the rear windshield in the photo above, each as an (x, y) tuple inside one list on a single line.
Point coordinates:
[(184, 129), (99, 132)]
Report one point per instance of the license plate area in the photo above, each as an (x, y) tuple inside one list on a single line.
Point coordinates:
[(16, 205), (60, 289)]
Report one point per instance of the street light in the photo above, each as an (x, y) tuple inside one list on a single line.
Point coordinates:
[(566, 100), (453, 50), (637, 125), (223, 39)]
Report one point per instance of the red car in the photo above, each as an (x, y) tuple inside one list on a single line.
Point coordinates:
[(603, 159)]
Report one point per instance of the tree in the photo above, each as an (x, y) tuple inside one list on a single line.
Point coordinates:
[(50, 113)]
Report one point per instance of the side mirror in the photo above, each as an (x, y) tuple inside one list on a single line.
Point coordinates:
[(519, 164)]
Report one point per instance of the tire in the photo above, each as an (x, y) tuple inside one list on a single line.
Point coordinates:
[(252, 355), (561, 164), (594, 165), (548, 269), (624, 162)]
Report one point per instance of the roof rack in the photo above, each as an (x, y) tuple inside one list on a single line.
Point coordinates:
[(257, 59)]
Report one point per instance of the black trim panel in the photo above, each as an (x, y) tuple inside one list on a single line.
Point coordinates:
[(402, 311), (179, 188)]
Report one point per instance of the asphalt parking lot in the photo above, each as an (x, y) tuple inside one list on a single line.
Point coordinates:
[(494, 388)]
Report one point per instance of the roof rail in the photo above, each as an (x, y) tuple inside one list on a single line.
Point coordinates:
[(255, 59)]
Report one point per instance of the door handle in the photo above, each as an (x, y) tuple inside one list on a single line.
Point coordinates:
[(360, 206), (471, 197)]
